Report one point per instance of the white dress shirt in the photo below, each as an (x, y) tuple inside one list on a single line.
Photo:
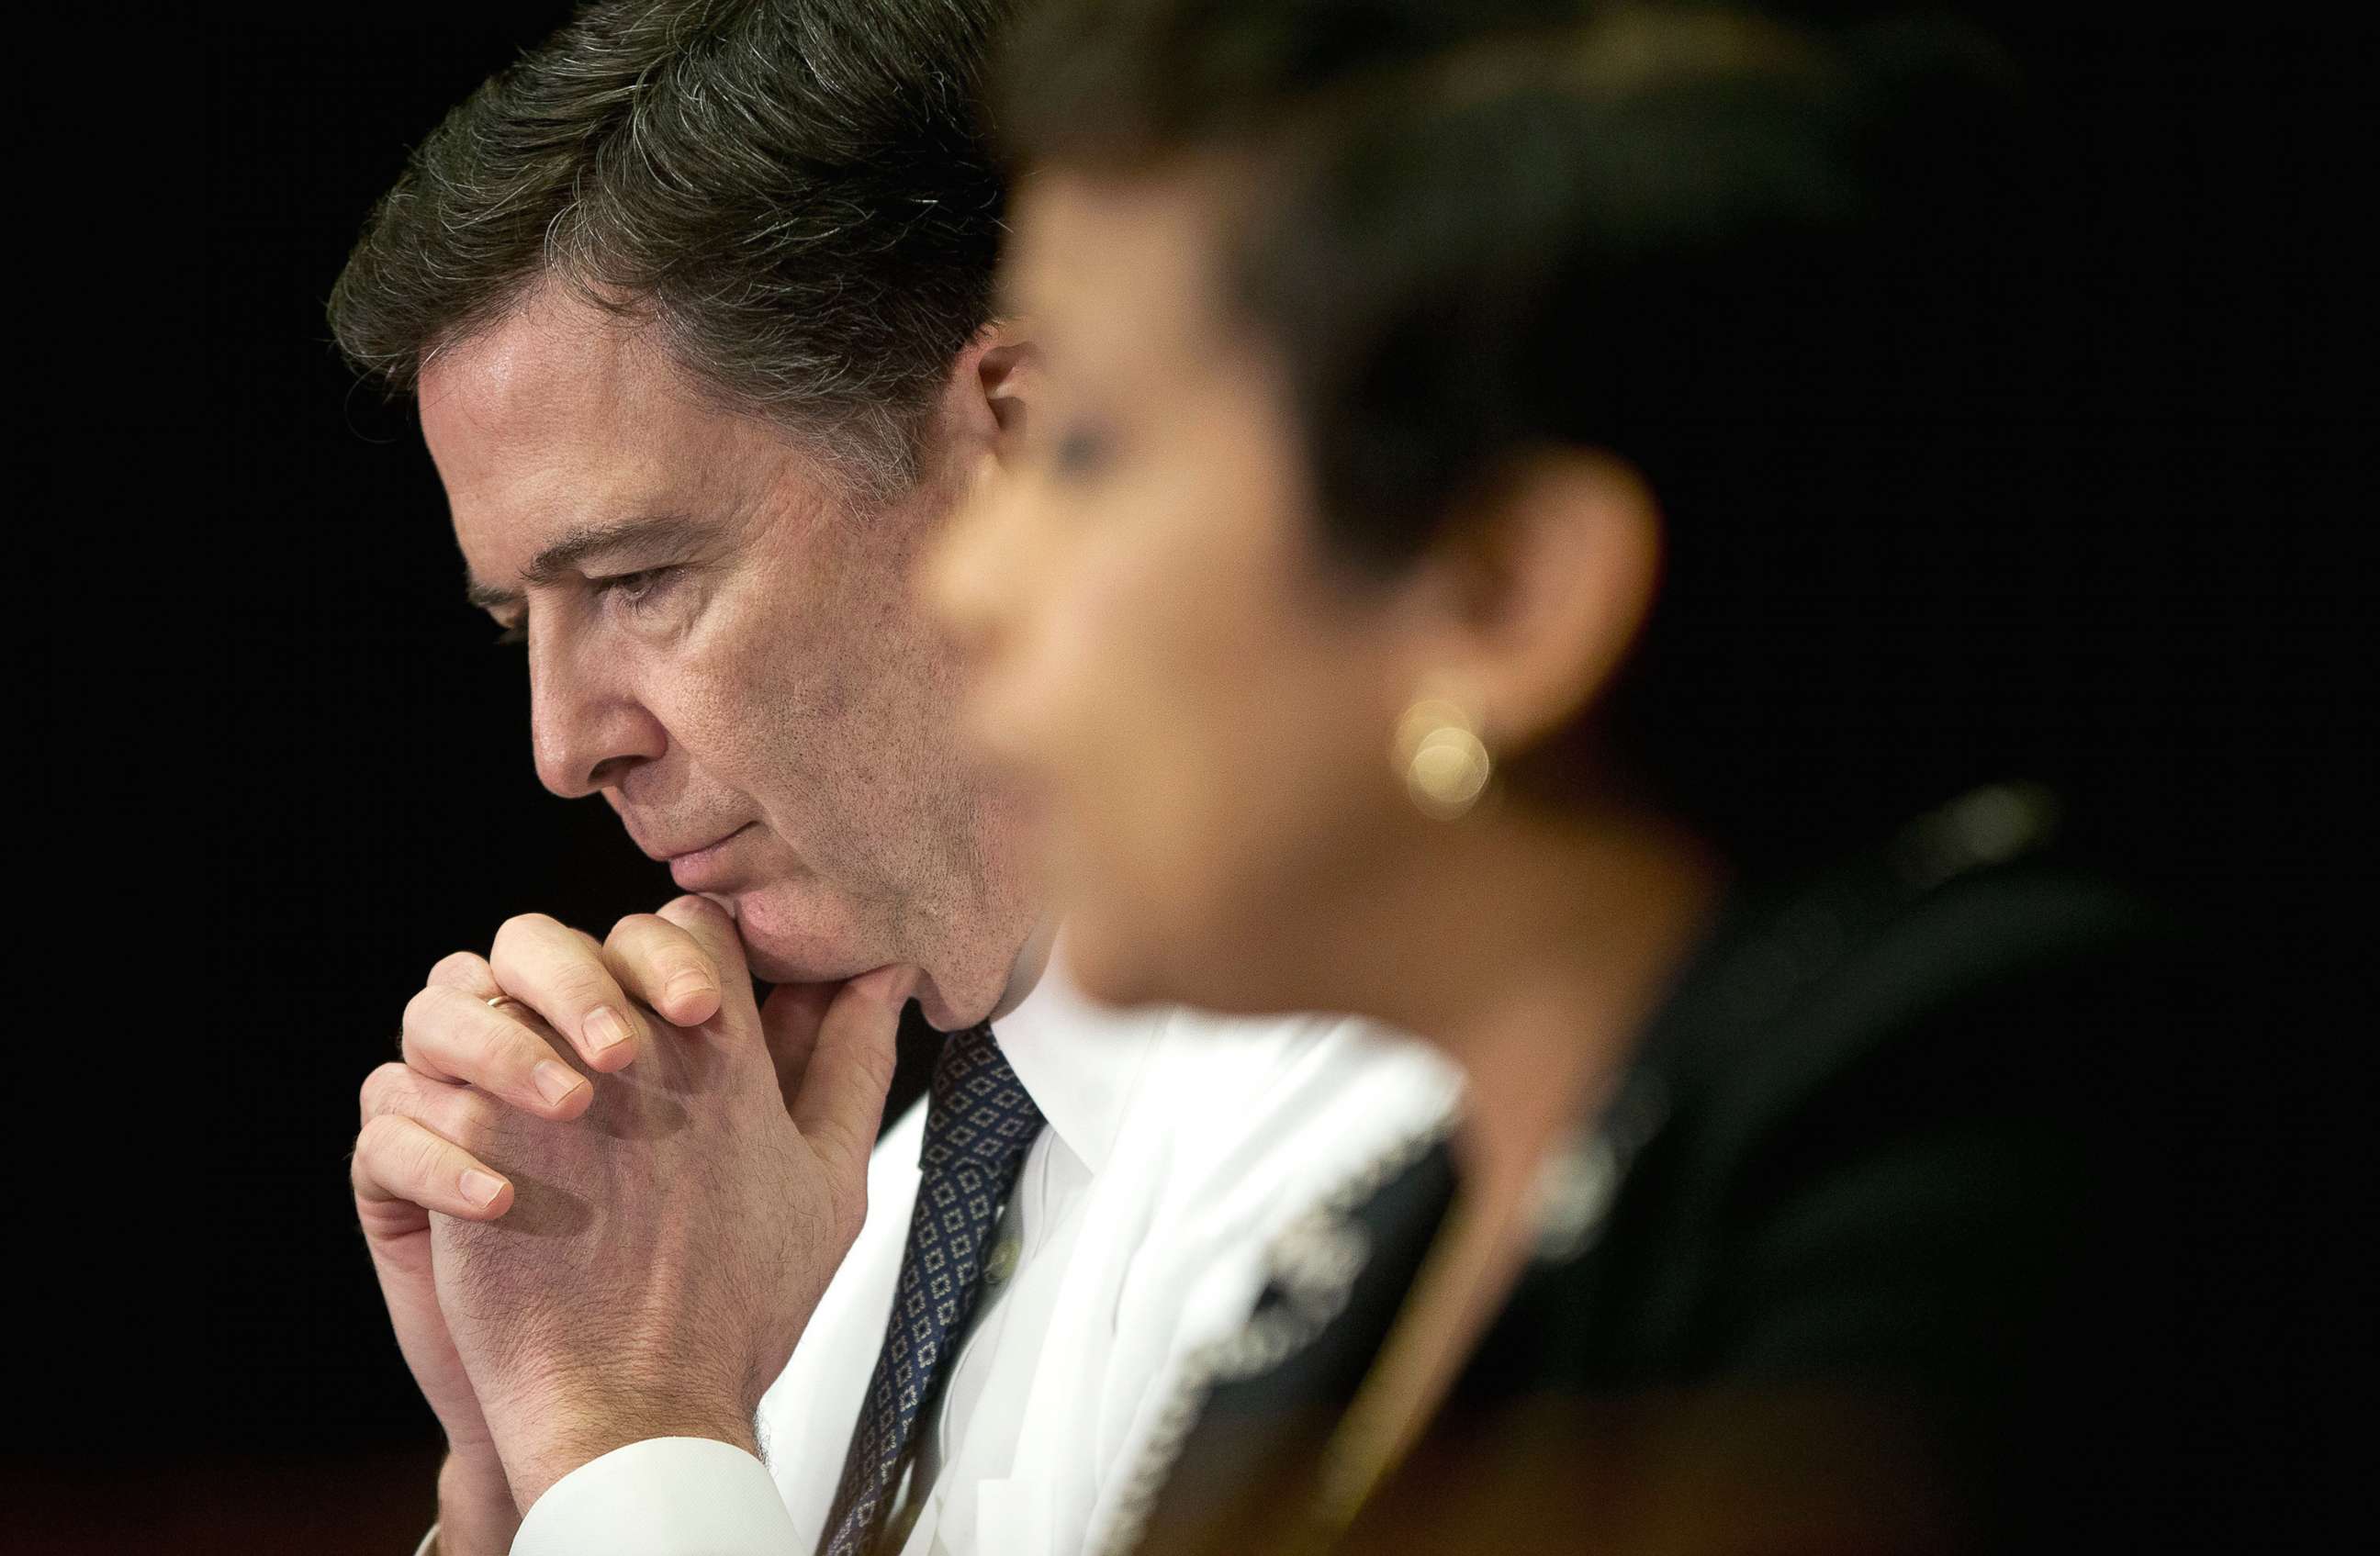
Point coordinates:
[(1177, 1146)]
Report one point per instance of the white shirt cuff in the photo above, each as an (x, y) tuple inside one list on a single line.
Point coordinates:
[(666, 1496)]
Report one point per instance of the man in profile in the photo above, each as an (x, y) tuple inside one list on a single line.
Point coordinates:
[(695, 299)]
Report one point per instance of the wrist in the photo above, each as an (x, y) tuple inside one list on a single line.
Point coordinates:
[(475, 1513), (562, 1441)]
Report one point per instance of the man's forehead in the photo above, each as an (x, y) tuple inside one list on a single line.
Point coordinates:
[(555, 422), (552, 368)]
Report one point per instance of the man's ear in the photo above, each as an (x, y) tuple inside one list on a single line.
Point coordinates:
[(1010, 373), (992, 383), (1540, 595)]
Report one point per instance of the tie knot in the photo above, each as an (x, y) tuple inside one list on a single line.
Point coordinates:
[(978, 1112)]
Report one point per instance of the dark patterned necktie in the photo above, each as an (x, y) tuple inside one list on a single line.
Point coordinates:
[(978, 1123)]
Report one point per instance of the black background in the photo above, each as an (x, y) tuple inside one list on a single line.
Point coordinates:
[(276, 768)]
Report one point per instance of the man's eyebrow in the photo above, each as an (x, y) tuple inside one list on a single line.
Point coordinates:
[(658, 532)]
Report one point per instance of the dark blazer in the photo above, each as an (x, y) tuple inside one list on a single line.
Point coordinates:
[(1874, 1251)]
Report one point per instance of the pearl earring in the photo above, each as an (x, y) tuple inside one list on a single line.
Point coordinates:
[(1438, 752)]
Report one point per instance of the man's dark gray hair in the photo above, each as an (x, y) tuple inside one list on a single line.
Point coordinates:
[(796, 195)]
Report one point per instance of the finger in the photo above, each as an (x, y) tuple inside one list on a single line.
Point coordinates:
[(840, 1103), (472, 975), (400, 1160), (559, 973), (462, 1113), (451, 1035), (660, 963), (468, 973), (709, 927), (789, 1025)]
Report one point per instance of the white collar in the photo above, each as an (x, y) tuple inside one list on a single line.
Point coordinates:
[(1079, 1062)]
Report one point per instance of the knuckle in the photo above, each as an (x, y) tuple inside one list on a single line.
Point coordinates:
[(379, 1087), (572, 995), (374, 1139), (580, 989), (694, 905), (658, 952), (487, 1054), (421, 1155), (457, 967), (521, 926), (497, 1047), (632, 927), (423, 1005)]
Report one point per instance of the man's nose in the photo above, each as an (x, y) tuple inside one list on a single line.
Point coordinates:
[(589, 729)]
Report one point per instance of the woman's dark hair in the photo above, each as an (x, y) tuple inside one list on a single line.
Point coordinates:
[(1795, 276)]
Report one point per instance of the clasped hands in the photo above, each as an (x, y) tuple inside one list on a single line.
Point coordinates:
[(604, 1191)]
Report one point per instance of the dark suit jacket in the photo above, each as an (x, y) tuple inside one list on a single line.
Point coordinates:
[(1877, 1250)]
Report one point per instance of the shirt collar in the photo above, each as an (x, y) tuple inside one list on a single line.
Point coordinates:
[(1079, 1062)]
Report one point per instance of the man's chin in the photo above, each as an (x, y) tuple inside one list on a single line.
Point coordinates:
[(776, 961), (938, 1011), (787, 940), (772, 968)]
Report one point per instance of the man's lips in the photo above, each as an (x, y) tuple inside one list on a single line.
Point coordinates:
[(671, 854), (696, 868)]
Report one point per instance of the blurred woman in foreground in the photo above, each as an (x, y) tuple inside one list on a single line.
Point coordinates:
[(1554, 543)]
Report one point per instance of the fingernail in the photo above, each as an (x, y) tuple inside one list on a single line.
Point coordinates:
[(479, 1188), (687, 986), (555, 1082), (606, 1030)]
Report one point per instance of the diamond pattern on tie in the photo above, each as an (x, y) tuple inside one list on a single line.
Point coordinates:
[(978, 1123)]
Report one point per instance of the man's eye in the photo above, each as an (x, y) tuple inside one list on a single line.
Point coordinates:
[(639, 588)]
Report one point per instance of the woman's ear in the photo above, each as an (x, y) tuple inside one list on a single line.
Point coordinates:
[(1542, 593)]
